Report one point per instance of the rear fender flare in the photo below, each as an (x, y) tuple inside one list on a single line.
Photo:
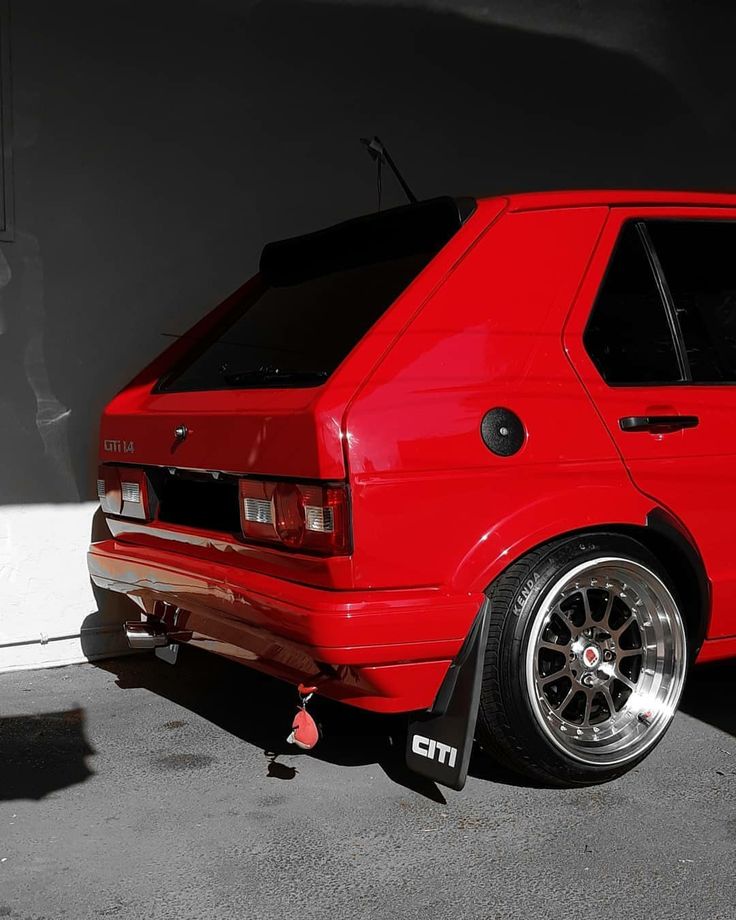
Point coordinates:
[(583, 508)]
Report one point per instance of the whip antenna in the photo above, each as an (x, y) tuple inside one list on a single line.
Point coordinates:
[(378, 152)]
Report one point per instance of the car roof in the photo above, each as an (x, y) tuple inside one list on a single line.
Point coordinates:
[(528, 201)]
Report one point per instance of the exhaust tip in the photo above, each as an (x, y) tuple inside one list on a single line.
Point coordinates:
[(140, 635)]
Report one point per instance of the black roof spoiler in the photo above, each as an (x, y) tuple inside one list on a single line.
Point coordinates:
[(413, 229)]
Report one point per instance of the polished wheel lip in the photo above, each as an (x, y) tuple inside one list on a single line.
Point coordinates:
[(627, 735)]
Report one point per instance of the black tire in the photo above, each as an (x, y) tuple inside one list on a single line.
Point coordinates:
[(512, 725)]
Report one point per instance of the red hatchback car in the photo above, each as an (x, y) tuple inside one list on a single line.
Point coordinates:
[(468, 460)]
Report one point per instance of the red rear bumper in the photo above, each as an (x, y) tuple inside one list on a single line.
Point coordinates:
[(387, 651)]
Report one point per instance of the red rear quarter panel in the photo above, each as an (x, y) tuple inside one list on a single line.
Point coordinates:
[(431, 504)]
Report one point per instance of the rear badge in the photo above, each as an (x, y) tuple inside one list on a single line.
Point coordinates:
[(115, 446)]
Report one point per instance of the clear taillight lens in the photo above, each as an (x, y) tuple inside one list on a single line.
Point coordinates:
[(130, 491), (301, 516), (108, 489), (124, 491)]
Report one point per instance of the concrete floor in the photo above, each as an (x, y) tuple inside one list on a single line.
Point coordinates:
[(131, 789)]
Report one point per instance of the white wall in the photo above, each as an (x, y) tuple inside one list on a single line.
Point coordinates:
[(48, 611)]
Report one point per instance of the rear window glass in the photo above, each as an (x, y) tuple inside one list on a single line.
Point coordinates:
[(319, 295)]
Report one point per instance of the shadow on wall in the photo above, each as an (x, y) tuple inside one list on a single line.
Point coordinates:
[(42, 753), (157, 166)]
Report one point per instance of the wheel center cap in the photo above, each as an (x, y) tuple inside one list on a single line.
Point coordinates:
[(591, 656)]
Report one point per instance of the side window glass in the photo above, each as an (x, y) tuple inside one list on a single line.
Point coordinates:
[(698, 260), (628, 336)]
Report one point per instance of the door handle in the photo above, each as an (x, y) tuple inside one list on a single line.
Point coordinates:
[(658, 424)]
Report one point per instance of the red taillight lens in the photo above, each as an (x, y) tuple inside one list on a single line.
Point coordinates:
[(301, 516), (288, 506), (125, 491)]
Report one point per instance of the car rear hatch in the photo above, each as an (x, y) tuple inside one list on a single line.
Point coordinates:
[(259, 387)]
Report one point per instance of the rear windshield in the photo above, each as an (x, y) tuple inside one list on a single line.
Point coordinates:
[(318, 295)]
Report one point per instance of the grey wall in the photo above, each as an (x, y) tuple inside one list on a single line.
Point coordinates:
[(159, 144)]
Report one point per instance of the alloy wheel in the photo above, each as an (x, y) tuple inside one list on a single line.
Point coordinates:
[(606, 661)]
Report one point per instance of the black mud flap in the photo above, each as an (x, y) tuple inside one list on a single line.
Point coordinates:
[(439, 741)]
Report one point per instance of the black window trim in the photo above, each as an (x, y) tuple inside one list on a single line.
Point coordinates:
[(660, 279), (665, 295)]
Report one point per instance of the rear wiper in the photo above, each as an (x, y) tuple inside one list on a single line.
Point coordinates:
[(274, 376)]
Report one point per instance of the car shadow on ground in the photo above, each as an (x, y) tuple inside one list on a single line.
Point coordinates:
[(42, 753), (709, 695), (258, 709)]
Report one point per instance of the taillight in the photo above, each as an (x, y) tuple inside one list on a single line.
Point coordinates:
[(301, 516), (108, 489), (124, 491)]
